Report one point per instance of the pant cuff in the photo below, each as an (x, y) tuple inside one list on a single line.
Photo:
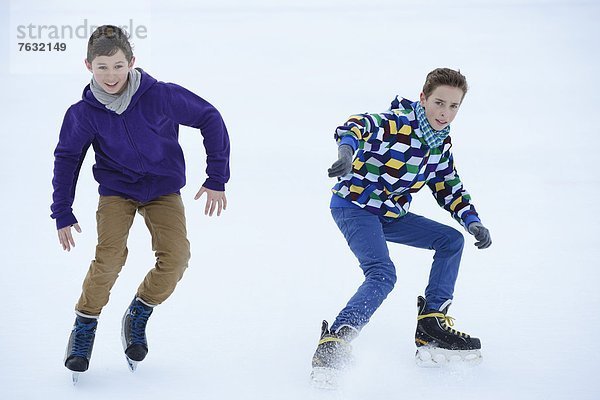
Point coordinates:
[(84, 315)]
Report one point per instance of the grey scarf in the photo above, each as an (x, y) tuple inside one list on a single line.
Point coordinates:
[(118, 102)]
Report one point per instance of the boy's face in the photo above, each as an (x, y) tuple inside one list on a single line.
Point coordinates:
[(111, 71), (442, 106)]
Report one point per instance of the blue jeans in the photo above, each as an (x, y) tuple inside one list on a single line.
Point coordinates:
[(367, 235)]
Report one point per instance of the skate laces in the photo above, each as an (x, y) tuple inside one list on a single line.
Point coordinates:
[(328, 339), (84, 334), (333, 352), (447, 322), (139, 318)]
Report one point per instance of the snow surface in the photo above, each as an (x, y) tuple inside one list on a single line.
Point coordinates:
[(244, 322)]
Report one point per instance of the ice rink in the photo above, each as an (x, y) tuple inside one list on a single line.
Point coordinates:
[(244, 321)]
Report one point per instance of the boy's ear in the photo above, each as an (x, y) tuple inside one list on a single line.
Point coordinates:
[(422, 98), (88, 65), (132, 62)]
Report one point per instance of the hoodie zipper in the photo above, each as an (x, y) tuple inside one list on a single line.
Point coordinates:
[(142, 169)]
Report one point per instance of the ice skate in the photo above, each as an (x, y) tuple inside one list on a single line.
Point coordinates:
[(438, 343), (133, 332), (332, 357), (81, 343)]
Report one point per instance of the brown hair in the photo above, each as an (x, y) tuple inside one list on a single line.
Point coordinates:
[(447, 77), (106, 40)]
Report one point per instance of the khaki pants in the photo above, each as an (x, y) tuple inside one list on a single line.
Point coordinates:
[(165, 218)]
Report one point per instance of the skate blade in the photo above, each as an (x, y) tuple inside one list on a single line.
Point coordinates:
[(325, 378), (433, 357), (75, 377), (131, 364)]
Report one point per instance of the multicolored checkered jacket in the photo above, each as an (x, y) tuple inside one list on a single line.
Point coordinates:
[(393, 161)]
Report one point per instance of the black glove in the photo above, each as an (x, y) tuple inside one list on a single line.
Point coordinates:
[(482, 235), (344, 163)]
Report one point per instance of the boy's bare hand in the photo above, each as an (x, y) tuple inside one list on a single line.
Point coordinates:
[(65, 238), (214, 199)]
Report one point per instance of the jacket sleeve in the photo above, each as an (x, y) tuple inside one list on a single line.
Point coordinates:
[(359, 127), (73, 143), (449, 192), (186, 108)]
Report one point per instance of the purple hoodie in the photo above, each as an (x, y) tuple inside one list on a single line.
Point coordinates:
[(138, 155)]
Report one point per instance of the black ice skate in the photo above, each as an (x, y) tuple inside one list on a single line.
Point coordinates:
[(133, 332), (438, 343), (333, 355), (81, 342)]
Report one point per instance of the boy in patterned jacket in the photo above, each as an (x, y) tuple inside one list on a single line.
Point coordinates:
[(383, 159), (132, 122)]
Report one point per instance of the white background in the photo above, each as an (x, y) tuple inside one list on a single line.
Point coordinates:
[(245, 319)]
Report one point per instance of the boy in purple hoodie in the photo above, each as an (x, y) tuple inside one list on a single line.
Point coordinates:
[(132, 122)]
